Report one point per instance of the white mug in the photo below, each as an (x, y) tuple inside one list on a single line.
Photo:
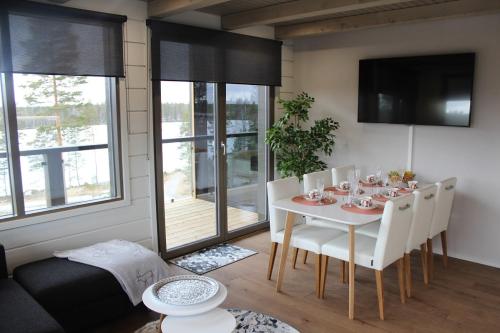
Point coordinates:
[(366, 202), (412, 184), (393, 192), (345, 186)]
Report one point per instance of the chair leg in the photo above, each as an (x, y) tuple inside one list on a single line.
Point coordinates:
[(324, 271), (317, 269), (401, 280), (342, 272), (423, 255), (305, 256), (272, 257), (294, 258), (408, 282), (380, 293), (444, 244), (430, 260)]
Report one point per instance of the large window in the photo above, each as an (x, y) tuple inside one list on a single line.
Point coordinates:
[(61, 143), (59, 120)]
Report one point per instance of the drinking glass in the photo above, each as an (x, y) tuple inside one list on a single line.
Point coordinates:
[(379, 174), (349, 199), (320, 186), (329, 196), (357, 172), (379, 179)]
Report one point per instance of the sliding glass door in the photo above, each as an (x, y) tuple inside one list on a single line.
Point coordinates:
[(246, 122), (188, 168), (211, 162)]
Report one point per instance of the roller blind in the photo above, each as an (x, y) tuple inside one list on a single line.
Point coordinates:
[(185, 53), (50, 39)]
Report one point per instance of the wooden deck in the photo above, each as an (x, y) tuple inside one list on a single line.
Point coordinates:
[(191, 219)]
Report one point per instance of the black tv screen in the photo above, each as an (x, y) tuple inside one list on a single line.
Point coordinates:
[(424, 90)]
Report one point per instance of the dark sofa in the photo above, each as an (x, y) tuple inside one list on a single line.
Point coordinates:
[(57, 295), (19, 312), (78, 296)]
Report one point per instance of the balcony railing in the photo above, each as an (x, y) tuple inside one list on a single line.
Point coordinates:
[(53, 164)]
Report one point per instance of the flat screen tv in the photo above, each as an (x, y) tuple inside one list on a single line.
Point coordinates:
[(423, 90)]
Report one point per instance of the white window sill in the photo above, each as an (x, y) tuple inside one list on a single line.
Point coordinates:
[(70, 212)]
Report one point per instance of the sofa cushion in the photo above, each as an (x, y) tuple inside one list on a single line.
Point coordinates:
[(20, 313), (78, 296), (59, 284)]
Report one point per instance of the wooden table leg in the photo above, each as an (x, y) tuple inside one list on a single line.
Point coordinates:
[(351, 271), (290, 218)]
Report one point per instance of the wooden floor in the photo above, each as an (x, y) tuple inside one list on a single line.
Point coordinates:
[(191, 219), (463, 298)]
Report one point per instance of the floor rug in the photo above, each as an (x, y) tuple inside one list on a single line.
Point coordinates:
[(246, 322), (211, 258)]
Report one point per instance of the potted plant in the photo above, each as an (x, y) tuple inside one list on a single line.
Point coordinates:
[(296, 147)]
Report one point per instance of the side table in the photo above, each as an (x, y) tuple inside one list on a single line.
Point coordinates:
[(205, 317)]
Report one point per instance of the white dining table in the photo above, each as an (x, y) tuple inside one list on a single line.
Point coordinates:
[(330, 212)]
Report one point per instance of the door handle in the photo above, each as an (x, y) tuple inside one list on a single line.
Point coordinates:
[(223, 147)]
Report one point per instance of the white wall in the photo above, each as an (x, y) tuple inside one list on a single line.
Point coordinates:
[(25, 241), (327, 68)]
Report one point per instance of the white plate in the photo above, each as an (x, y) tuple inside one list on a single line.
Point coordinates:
[(185, 289), (308, 198)]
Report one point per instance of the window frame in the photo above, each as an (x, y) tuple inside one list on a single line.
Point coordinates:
[(118, 172)]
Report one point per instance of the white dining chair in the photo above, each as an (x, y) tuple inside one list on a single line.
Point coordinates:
[(441, 217), (310, 184), (310, 180), (340, 174), (305, 237), (423, 209), (376, 253)]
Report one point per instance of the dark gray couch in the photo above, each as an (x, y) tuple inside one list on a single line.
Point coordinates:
[(19, 312), (80, 297)]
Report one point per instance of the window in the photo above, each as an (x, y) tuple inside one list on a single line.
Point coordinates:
[(66, 142), (5, 194), (59, 123)]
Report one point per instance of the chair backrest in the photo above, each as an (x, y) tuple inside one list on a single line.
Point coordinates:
[(311, 178), (393, 231), (277, 190), (444, 202), (340, 174), (423, 208)]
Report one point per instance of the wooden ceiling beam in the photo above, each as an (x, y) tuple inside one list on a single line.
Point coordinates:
[(406, 15), (296, 10), (162, 8)]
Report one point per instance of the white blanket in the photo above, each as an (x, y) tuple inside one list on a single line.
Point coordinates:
[(134, 266)]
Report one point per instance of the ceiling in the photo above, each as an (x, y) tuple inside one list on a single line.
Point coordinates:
[(303, 18), (238, 6)]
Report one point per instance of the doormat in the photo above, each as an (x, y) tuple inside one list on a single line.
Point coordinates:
[(211, 258)]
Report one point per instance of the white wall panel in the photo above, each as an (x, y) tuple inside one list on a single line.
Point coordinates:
[(327, 68)]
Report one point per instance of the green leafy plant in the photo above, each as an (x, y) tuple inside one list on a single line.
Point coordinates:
[(296, 147)]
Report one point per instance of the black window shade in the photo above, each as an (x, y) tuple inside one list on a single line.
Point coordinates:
[(48, 39), (185, 53)]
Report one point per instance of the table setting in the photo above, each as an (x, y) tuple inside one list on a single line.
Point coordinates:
[(361, 202), (361, 195)]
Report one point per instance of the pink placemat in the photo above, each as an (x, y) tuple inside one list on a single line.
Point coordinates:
[(379, 197), (303, 201), (353, 209), (336, 190), (365, 184)]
